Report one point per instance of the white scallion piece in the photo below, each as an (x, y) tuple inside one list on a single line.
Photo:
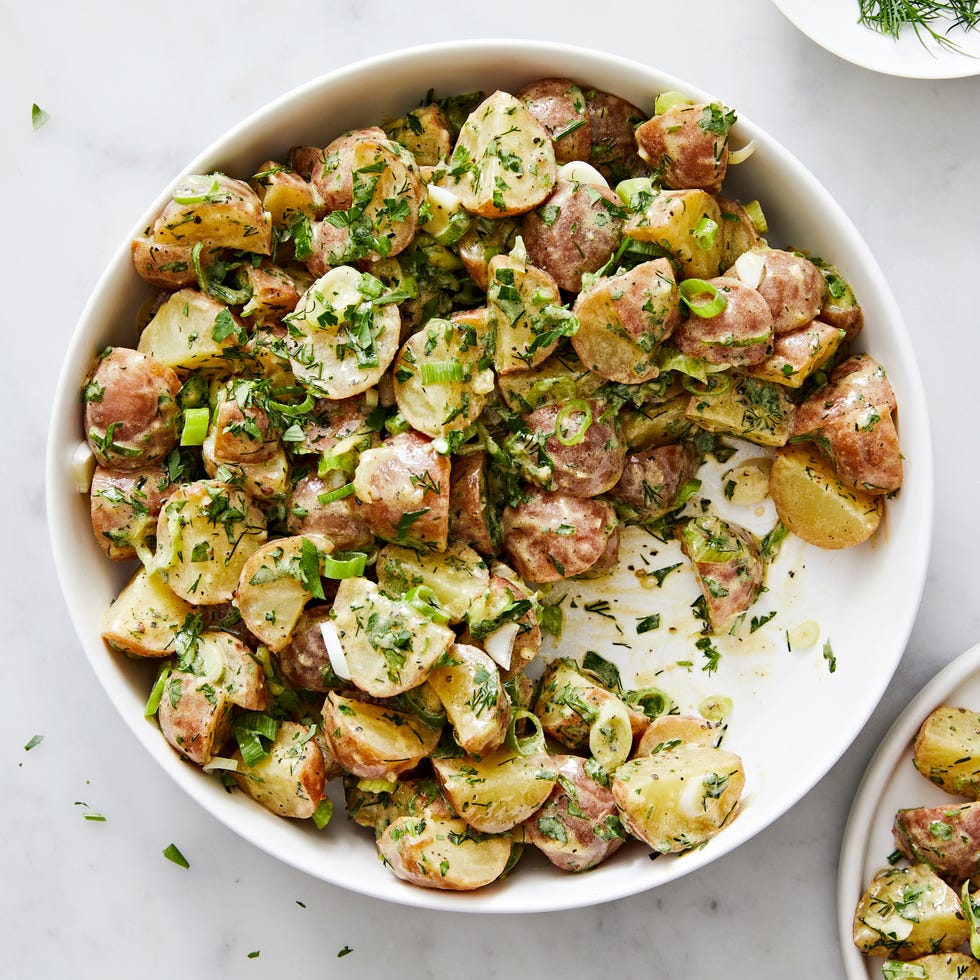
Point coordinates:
[(736, 157), (83, 467), (750, 267), (500, 644), (580, 172), (331, 639)]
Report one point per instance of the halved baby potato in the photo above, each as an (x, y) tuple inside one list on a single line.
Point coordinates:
[(815, 505)]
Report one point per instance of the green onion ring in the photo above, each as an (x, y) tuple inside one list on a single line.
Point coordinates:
[(695, 289), (577, 405), (530, 743), (345, 564)]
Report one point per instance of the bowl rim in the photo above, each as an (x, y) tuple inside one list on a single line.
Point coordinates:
[(580, 62)]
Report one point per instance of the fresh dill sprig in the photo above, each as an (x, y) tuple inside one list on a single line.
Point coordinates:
[(890, 16)]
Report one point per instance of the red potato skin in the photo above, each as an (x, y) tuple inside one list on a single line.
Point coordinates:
[(651, 481), (634, 293), (580, 237), (340, 520), (305, 662), (413, 477), (332, 174), (792, 286), (194, 726), (726, 338), (689, 155), (536, 541), (119, 499), (946, 838), (335, 421), (527, 643), (273, 291), (137, 395), (613, 121), (558, 103), (729, 587), (850, 419), (233, 438), (469, 519), (166, 265), (588, 468), (587, 813)]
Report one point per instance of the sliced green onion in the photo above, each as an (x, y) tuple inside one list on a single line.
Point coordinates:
[(195, 189), (715, 384), (900, 970), (423, 600), (551, 619), (377, 785), (529, 744), (970, 910), (669, 100), (332, 496), (344, 564), (716, 708), (441, 372), (754, 210), (322, 814), (156, 692), (302, 408), (636, 192), (250, 728), (172, 853), (701, 298), (195, 426), (396, 424), (424, 703), (572, 438), (611, 735), (651, 701), (706, 233)]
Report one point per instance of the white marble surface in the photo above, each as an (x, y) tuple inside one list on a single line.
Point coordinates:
[(136, 90)]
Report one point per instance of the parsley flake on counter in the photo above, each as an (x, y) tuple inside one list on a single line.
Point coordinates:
[(344, 951), (38, 117), (254, 955), (34, 742), (172, 853)]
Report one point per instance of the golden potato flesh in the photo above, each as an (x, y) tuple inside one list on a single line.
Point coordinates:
[(947, 750), (145, 617), (289, 781), (390, 646), (373, 741), (206, 532), (674, 221), (473, 695), (504, 161), (674, 729), (498, 790), (276, 583), (680, 797), (216, 209), (815, 505), (908, 912), (435, 850)]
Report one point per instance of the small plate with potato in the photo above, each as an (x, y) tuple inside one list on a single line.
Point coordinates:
[(935, 735)]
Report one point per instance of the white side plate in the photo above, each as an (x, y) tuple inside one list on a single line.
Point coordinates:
[(891, 783), (833, 24)]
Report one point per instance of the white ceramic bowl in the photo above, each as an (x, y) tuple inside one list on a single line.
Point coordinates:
[(793, 718)]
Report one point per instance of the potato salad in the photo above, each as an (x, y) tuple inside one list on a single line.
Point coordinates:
[(393, 393), (921, 914)]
